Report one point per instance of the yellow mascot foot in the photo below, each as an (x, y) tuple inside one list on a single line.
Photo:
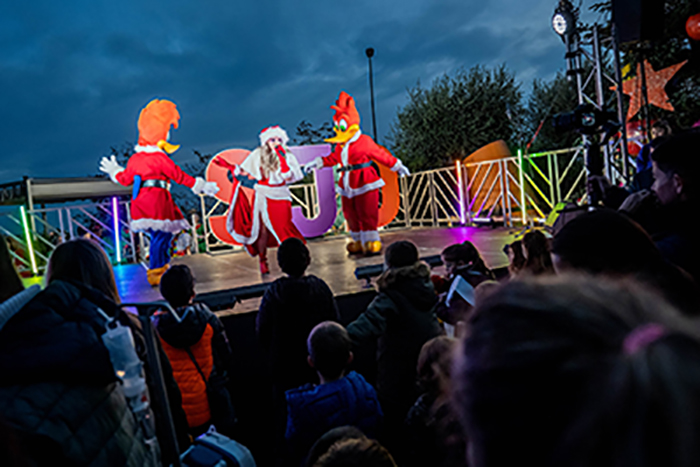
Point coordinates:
[(154, 275), (373, 248), (354, 247)]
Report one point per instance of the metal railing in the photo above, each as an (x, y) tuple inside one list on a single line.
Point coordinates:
[(523, 188), (518, 189), (34, 237)]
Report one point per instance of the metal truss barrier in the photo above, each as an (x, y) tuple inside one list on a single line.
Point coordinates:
[(34, 234)]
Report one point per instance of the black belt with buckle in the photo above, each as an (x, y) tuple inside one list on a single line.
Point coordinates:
[(347, 168), (154, 184)]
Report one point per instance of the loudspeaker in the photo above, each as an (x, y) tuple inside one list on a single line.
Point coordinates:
[(638, 20)]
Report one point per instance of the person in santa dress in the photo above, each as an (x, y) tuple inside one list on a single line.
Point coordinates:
[(150, 170), (359, 182), (265, 220)]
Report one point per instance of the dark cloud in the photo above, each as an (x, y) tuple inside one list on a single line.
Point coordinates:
[(74, 75)]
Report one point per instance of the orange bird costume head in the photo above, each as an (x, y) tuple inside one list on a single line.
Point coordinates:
[(154, 124), (346, 121)]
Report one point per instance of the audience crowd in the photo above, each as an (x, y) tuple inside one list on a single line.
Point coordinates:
[(584, 353)]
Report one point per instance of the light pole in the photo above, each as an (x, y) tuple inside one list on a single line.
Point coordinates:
[(370, 53)]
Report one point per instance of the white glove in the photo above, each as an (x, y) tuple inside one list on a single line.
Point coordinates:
[(210, 188), (314, 164), (202, 186), (183, 242), (110, 167), (401, 169)]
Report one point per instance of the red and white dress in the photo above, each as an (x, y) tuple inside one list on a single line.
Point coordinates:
[(359, 184), (271, 204), (154, 207)]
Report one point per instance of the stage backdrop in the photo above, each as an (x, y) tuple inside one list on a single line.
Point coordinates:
[(484, 178), (325, 188)]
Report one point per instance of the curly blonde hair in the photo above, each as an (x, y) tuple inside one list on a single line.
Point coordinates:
[(269, 162)]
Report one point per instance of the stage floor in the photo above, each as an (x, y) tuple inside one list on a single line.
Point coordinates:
[(329, 261)]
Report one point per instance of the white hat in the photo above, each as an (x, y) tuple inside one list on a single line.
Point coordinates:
[(273, 132)]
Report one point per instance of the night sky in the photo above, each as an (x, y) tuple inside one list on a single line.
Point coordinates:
[(74, 75)]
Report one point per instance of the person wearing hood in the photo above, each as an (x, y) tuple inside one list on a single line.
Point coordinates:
[(401, 318), (199, 353)]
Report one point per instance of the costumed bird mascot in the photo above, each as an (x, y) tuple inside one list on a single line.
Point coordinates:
[(359, 182), (150, 171)]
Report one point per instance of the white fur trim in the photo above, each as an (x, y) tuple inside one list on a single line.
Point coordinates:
[(274, 192), (295, 173), (273, 132), (151, 149), (369, 236), (352, 192), (262, 193), (251, 164), (165, 225), (198, 186), (355, 236), (397, 166)]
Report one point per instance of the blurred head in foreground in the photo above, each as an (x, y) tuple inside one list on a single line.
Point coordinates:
[(574, 371)]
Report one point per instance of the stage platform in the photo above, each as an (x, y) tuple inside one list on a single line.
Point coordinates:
[(329, 261)]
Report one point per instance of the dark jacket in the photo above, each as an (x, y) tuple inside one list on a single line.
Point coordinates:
[(401, 317), (433, 434), (58, 390), (313, 410), (675, 235), (289, 310), (474, 277)]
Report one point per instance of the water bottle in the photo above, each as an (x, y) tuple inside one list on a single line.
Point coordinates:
[(127, 365), (129, 369)]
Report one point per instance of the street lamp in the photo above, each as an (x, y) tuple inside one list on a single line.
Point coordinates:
[(370, 53), (564, 24), (563, 21)]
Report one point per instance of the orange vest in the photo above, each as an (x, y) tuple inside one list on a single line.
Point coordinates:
[(192, 387)]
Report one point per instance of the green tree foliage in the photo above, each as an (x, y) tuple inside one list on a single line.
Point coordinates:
[(455, 117), (547, 100), (307, 134)]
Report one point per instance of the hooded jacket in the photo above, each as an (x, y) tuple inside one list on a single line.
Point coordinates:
[(58, 390), (289, 310), (203, 334), (401, 317)]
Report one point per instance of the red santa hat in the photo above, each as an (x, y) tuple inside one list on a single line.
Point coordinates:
[(273, 132)]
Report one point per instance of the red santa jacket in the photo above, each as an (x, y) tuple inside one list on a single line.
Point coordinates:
[(359, 149), (154, 207)]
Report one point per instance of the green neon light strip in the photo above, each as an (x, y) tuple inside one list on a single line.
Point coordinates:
[(28, 239), (523, 206)]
